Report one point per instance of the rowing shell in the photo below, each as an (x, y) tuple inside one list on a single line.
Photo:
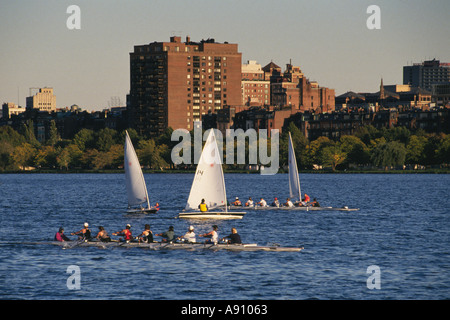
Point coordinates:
[(173, 246), (295, 208)]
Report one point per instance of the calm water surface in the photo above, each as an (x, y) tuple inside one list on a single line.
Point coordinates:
[(402, 227)]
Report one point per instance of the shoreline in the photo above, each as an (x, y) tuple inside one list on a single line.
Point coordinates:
[(119, 171)]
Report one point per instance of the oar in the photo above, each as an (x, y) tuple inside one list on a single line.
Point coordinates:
[(77, 242)]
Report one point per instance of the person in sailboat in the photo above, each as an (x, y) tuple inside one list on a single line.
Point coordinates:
[(156, 206), (249, 202), (83, 234), (202, 206), (125, 233), (146, 235), (234, 237), (288, 203), (168, 236), (213, 235), (315, 203), (237, 202), (60, 236), (189, 236), (102, 235), (276, 203)]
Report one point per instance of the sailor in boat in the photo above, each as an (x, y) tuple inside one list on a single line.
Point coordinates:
[(213, 235), (262, 203), (315, 203), (60, 236), (125, 233), (202, 206), (234, 237), (249, 202), (146, 235), (168, 236), (102, 235), (305, 201), (83, 234), (289, 203), (156, 206), (237, 202), (189, 236), (276, 203)]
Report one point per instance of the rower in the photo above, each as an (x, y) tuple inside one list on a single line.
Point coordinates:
[(262, 203), (102, 235), (83, 234), (315, 203), (234, 237), (276, 203), (237, 202), (168, 236), (202, 206), (289, 203), (249, 202), (146, 235), (189, 236), (213, 235), (60, 236), (125, 233)]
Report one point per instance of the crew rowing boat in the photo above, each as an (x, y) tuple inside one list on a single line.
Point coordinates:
[(304, 208), (172, 246)]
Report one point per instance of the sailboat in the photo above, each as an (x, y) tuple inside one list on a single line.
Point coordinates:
[(209, 185), (294, 181), (136, 187)]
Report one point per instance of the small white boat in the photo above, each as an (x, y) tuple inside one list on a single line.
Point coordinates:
[(209, 184), (136, 187)]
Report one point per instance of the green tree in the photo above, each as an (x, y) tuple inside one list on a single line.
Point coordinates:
[(389, 154), (54, 135), (46, 157), (84, 139), (331, 156), (356, 151), (415, 149), (23, 155), (105, 139), (443, 151)]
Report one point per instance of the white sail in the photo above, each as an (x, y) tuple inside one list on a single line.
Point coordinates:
[(294, 182), (208, 182), (136, 188)]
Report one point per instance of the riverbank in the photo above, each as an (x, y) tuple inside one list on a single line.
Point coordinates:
[(363, 171)]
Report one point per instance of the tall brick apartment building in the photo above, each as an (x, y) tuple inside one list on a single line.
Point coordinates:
[(172, 84)]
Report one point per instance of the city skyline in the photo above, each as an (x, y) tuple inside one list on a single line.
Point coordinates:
[(329, 41)]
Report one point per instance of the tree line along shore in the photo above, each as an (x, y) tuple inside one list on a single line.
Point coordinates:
[(370, 149)]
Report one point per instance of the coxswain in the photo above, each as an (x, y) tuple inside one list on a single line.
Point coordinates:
[(60, 236), (125, 233), (202, 206), (213, 235), (83, 234), (234, 237), (189, 236), (168, 236), (102, 235), (146, 235)]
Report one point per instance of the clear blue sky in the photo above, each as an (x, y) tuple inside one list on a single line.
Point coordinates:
[(328, 39)]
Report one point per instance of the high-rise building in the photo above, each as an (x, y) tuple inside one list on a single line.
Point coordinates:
[(426, 74), (172, 84), (44, 100), (255, 86)]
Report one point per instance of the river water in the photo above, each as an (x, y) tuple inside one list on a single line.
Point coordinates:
[(401, 231)]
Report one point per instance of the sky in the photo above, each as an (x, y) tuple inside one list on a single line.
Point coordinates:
[(328, 39)]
